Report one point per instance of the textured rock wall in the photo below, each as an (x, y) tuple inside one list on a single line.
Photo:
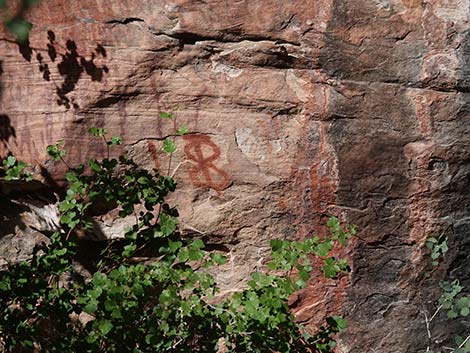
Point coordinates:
[(297, 110)]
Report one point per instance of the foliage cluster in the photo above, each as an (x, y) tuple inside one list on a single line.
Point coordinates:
[(167, 303), (438, 247), (452, 299), (15, 170)]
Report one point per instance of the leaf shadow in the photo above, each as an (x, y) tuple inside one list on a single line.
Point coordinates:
[(70, 65)]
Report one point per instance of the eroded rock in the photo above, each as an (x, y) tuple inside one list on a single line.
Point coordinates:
[(299, 110)]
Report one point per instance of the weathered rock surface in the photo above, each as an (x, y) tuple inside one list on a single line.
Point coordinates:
[(300, 109), (29, 212)]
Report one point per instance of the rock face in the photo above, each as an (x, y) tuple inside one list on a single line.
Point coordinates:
[(297, 110)]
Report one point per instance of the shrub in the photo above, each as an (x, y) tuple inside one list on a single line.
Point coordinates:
[(169, 304)]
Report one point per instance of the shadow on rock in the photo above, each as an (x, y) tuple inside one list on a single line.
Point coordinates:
[(7, 131), (70, 65)]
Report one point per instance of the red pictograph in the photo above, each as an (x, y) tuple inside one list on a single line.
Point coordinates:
[(153, 153), (202, 151)]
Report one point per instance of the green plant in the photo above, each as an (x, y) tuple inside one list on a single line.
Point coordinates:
[(452, 300), (166, 304), (438, 247), (16, 170)]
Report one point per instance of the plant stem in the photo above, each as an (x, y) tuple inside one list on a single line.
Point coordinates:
[(463, 343)]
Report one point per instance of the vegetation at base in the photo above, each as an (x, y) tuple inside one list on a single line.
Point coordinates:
[(151, 291)]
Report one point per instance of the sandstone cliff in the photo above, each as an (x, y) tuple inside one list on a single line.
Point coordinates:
[(300, 109)]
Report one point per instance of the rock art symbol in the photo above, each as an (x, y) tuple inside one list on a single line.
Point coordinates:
[(153, 153), (203, 152)]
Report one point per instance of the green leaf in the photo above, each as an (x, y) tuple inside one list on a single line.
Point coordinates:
[(431, 240), (20, 28), (197, 244), (27, 343), (174, 246), (444, 248), (276, 244), (183, 255), (4, 285), (61, 252), (462, 302), (164, 115), (330, 269), (323, 249), (138, 289), (465, 311), (167, 224), (97, 131), (10, 161), (218, 258), (99, 279), (340, 322), (195, 254), (143, 180), (168, 146), (334, 224), (129, 250), (131, 234), (303, 273), (94, 165), (183, 130), (91, 307), (116, 140), (55, 151), (104, 326), (94, 292)]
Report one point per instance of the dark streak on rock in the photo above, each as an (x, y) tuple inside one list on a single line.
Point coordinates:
[(114, 99), (124, 21)]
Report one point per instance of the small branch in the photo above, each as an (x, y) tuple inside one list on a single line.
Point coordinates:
[(68, 234), (192, 228), (428, 324), (175, 344), (135, 215), (49, 281), (173, 138), (463, 343), (178, 166), (436, 312), (162, 138), (63, 161), (169, 162), (107, 146), (216, 308), (428, 330)]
